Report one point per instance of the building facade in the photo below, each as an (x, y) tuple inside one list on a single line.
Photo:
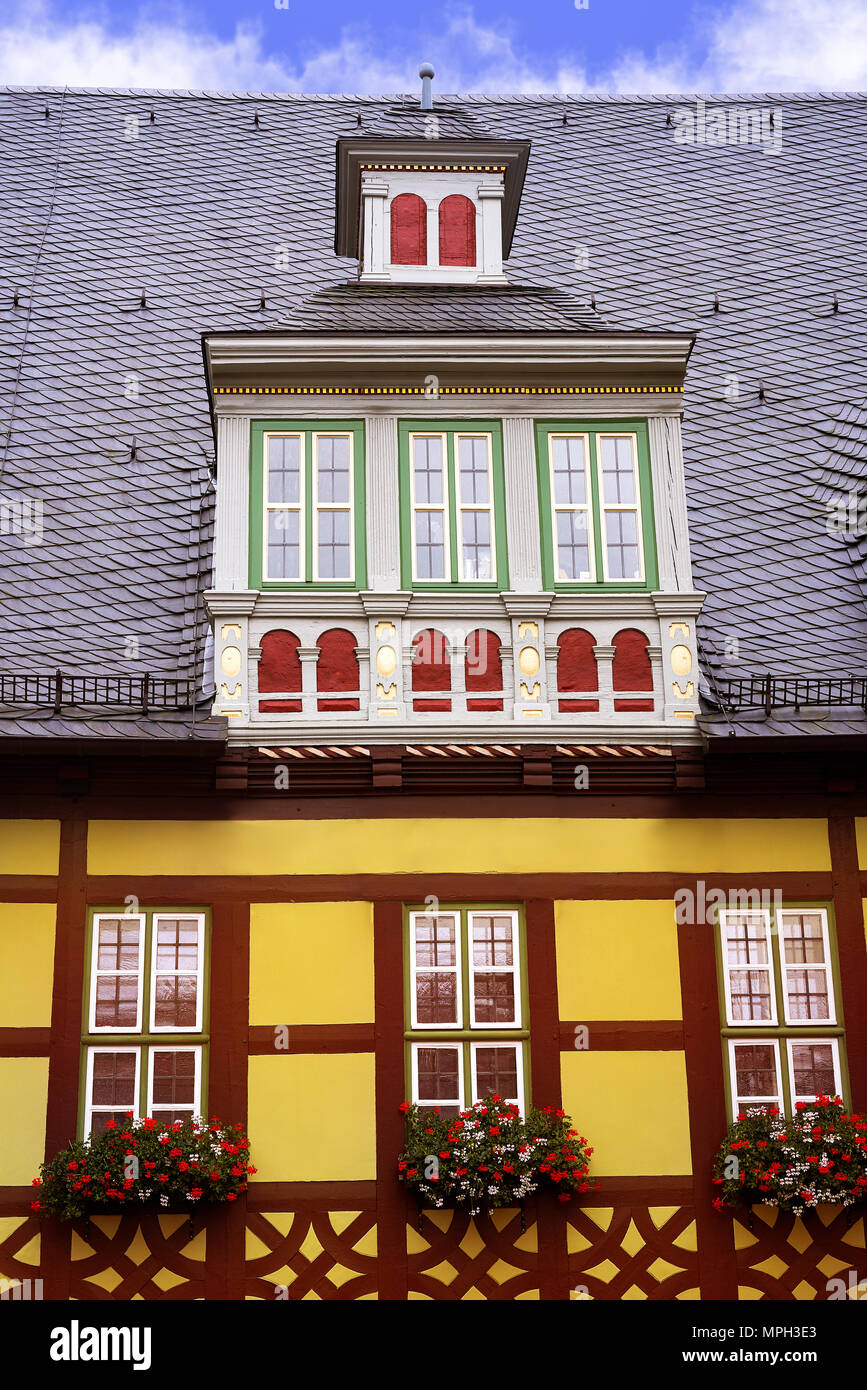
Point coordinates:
[(426, 598)]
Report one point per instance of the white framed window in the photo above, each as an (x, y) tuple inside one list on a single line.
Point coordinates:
[(754, 1069), (814, 1068), (146, 980), (333, 506), (438, 1076), (748, 968), (497, 1068), (465, 980), (571, 507), (177, 964), (117, 964), (435, 970), (474, 475), (284, 539), (112, 1086), (174, 1090), (620, 506), (494, 965), (805, 949), (429, 483), (783, 1029)]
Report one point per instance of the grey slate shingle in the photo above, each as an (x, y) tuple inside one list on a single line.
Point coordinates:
[(194, 208)]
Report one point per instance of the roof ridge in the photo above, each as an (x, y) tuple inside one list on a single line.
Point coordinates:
[(480, 98)]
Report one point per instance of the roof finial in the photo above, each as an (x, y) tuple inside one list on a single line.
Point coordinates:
[(426, 72)]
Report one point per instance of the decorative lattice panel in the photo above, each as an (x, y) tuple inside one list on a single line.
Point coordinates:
[(137, 1257), (20, 1244), (781, 1256), (633, 1253), (454, 1256), (297, 1255)]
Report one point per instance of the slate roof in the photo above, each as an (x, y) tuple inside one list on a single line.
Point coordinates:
[(100, 202)]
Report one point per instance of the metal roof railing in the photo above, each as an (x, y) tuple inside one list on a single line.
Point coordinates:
[(793, 692), (61, 690)]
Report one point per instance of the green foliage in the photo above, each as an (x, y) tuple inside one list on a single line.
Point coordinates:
[(491, 1156), (145, 1162), (817, 1156)]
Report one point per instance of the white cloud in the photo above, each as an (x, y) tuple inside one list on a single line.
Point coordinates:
[(757, 45)]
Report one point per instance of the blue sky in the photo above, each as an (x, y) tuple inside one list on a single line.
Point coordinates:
[(475, 45)]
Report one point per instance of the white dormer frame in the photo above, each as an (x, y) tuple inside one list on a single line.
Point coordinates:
[(485, 189)]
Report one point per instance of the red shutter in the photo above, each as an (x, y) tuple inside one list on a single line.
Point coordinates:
[(431, 669), (337, 667), (576, 669), (457, 231), (408, 230), (483, 669), (280, 669), (630, 669)]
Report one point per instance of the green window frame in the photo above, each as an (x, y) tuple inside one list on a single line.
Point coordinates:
[(308, 508), (596, 507), (467, 1035), (142, 1039), (454, 505), (793, 965)]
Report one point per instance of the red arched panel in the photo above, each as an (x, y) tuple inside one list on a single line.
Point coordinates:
[(337, 667), (483, 669), (630, 669), (279, 669), (408, 230), (431, 669), (457, 231), (576, 668)]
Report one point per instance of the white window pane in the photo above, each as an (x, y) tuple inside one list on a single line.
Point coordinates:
[(284, 544), (497, 1071), (284, 469), (332, 463), (476, 544), (473, 460), (430, 550), (438, 1077), (334, 548), (573, 546), (803, 939), (814, 1069), (427, 462), (755, 1075), (751, 996), (618, 473), (570, 479), (621, 540), (746, 939)]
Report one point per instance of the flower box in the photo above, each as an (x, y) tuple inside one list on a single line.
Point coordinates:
[(145, 1165), (491, 1156), (817, 1157)]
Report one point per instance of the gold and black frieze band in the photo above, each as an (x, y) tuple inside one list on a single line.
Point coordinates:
[(444, 390)]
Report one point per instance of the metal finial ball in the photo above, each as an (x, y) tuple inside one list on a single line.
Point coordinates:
[(426, 70)]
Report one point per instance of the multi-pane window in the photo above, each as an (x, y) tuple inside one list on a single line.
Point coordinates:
[(145, 1016), (453, 521), (596, 510), (783, 1030), (466, 1027), (312, 505)]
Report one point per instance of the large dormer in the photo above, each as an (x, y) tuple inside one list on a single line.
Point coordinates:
[(428, 198)]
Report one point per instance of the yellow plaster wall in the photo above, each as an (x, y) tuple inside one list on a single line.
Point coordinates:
[(311, 963), (479, 845), (29, 846), (311, 1117), (632, 1106), (617, 960), (23, 1099), (26, 964)]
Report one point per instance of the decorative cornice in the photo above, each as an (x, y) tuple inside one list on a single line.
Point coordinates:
[(486, 390), (439, 168)]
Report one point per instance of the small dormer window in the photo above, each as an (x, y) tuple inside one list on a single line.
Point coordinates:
[(435, 224)]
